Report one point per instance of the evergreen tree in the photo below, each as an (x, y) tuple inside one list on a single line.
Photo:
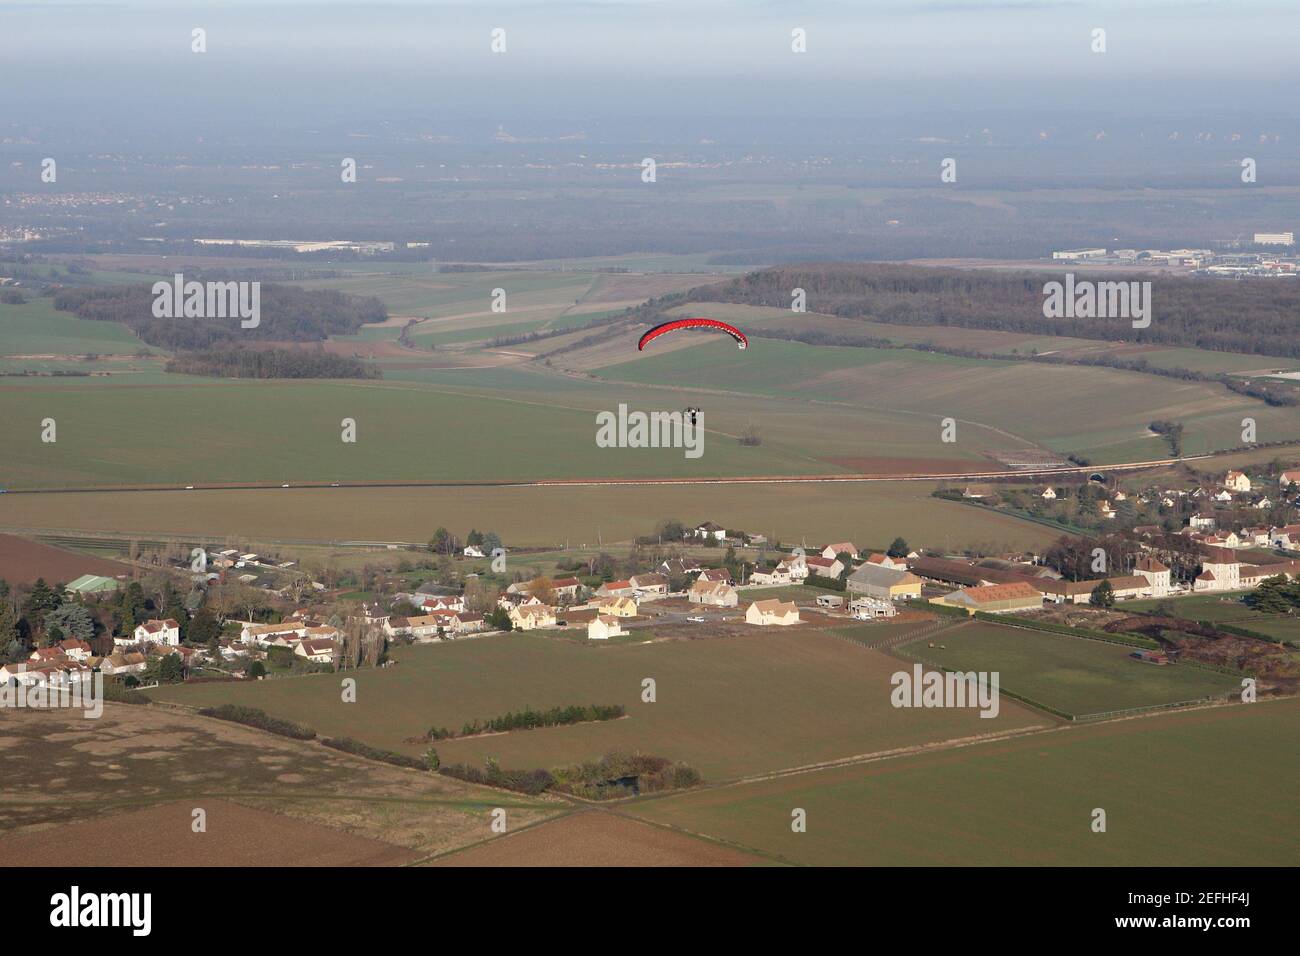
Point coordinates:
[(71, 620), (1103, 595), (41, 600)]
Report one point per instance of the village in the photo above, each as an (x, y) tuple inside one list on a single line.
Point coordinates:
[(756, 585)]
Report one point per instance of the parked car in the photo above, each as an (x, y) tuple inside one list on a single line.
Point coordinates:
[(696, 620)]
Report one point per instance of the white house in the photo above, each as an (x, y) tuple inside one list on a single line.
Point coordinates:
[(709, 530), (318, 649), (1236, 481), (777, 575), (1288, 478), (1156, 574), (796, 566), (833, 550), (158, 632), (1254, 537), (426, 626), (603, 627), (472, 552), (713, 593), (23, 672), (1286, 537), (653, 584), (772, 612), (76, 650), (1220, 571), (263, 635), (464, 623), (825, 567), (119, 663), (1048, 494)]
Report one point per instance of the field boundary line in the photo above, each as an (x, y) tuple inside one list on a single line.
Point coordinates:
[(954, 743), (706, 837), (572, 811)]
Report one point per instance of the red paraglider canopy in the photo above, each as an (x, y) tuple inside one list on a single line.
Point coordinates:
[(693, 323)]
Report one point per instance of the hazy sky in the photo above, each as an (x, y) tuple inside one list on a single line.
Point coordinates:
[(608, 57)]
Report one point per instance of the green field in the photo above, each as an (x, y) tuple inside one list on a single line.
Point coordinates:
[(1206, 788), (290, 431), (433, 294), (1071, 674), (538, 516), (37, 329), (527, 423), (1038, 403), (987, 341), (1220, 608), (728, 706), (1228, 609)]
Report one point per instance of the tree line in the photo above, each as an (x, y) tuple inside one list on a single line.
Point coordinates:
[(530, 719), (1197, 312), (237, 362)]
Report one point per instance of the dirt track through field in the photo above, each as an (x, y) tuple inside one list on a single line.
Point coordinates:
[(597, 838)]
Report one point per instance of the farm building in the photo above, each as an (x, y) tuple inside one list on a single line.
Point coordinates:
[(772, 612), (994, 598), (1080, 592), (829, 600), (92, 584), (884, 584), (961, 573)]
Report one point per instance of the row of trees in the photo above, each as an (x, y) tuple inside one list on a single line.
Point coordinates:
[(271, 363), (529, 719)]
